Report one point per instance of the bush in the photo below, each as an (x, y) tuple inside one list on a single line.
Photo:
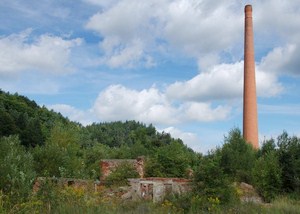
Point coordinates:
[(120, 175), (237, 157), (289, 158), (171, 160), (16, 169), (212, 184), (267, 176)]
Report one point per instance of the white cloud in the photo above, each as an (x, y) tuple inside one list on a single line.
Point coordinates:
[(120, 103), (201, 29), (280, 19), (23, 52), (205, 28), (190, 139), (205, 113), (83, 117), (125, 28), (223, 81), (267, 84), (204, 141), (152, 106), (283, 60), (127, 56), (156, 23)]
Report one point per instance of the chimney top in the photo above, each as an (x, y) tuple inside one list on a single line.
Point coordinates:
[(248, 8)]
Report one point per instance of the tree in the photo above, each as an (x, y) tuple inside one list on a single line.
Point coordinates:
[(171, 160), (211, 181), (32, 134), (92, 158), (237, 157), (289, 159), (7, 124), (16, 169), (61, 155), (267, 176), (267, 146)]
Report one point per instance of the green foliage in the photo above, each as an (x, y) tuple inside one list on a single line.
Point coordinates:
[(129, 133), (172, 160), (60, 156), (284, 205), (289, 159), (211, 182), (120, 175), (267, 176), (16, 169), (7, 125), (92, 158), (48, 160), (267, 147), (48, 194), (23, 117), (51, 145), (64, 148), (32, 135), (237, 157)]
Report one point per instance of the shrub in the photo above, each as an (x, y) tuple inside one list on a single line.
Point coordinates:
[(211, 183), (120, 175), (237, 157), (16, 169), (267, 176)]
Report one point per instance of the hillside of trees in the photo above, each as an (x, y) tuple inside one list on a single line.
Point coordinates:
[(37, 142)]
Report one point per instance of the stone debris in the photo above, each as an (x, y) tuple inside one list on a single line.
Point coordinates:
[(156, 189)]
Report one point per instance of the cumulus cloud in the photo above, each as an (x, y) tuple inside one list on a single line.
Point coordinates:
[(202, 141), (223, 81), (283, 60), (212, 85), (155, 24), (127, 56), (126, 31), (45, 53), (190, 139), (205, 113), (133, 31), (83, 117), (202, 27), (152, 106), (280, 19), (120, 103)]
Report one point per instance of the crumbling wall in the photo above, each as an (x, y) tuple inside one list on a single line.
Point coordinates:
[(108, 165), (156, 189), (64, 182)]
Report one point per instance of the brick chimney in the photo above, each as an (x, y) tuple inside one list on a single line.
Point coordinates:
[(250, 127)]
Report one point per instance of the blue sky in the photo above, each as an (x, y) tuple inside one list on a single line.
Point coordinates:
[(176, 64)]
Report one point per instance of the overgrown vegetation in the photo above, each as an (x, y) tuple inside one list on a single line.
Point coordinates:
[(119, 176), (36, 142)]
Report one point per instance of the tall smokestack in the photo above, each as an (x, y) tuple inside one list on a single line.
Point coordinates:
[(250, 129)]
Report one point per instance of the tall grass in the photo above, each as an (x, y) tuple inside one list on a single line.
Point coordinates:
[(72, 200)]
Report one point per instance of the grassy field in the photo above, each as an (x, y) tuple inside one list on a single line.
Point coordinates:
[(76, 200)]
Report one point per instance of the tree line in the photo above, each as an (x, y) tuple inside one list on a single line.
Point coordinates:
[(35, 142)]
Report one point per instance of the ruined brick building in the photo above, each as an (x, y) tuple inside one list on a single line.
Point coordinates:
[(109, 165)]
